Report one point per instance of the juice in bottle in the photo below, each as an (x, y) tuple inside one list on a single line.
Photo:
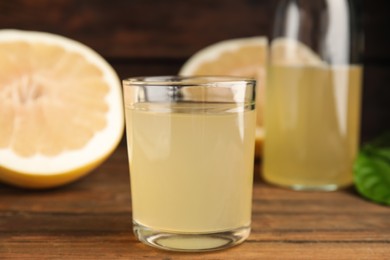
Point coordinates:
[(312, 122)]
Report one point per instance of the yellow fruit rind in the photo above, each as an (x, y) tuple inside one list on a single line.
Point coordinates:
[(31, 181)]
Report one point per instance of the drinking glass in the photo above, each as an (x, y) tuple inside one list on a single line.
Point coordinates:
[(191, 155)]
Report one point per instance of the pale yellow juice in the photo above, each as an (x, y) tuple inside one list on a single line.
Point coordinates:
[(192, 171), (312, 125)]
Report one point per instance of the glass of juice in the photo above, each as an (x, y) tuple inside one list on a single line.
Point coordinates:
[(191, 155), (312, 111)]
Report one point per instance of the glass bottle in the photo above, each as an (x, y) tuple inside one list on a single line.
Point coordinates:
[(312, 111)]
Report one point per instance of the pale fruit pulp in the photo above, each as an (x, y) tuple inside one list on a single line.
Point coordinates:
[(191, 171), (61, 112), (312, 126)]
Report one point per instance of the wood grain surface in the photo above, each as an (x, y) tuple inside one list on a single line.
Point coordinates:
[(91, 219)]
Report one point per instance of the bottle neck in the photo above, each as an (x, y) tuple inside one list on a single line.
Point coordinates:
[(325, 26)]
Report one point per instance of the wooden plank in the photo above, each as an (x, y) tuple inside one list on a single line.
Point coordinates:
[(91, 219), (123, 246), (375, 101), (142, 28), (170, 29), (376, 29), (273, 223), (146, 67)]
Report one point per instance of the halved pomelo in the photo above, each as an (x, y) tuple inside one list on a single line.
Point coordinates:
[(286, 51), (61, 110), (235, 57)]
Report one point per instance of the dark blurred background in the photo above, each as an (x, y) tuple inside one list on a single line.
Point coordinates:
[(155, 37)]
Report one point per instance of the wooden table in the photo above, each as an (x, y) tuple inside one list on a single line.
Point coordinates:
[(91, 219)]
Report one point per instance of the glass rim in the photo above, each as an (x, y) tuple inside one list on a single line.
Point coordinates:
[(171, 80)]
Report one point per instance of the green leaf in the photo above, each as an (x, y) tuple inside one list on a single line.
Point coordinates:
[(372, 170)]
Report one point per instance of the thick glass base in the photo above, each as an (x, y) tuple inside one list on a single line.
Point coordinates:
[(329, 187), (307, 187), (190, 242)]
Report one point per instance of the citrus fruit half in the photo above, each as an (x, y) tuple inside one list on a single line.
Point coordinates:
[(245, 57), (61, 111), (286, 51)]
